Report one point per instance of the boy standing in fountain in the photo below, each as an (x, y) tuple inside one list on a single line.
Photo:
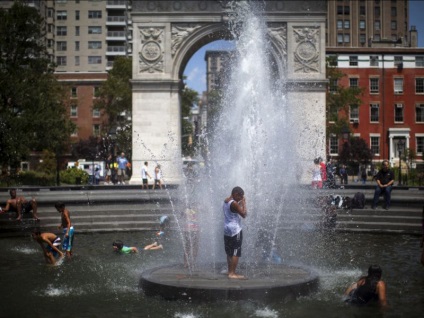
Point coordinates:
[(234, 209), (67, 227)]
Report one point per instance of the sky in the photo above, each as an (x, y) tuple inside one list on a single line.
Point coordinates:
[(196, 67)]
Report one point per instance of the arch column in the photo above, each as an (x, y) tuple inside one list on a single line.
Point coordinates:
[(156, 129)]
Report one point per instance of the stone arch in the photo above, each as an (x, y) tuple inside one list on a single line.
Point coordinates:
[(167, 33)]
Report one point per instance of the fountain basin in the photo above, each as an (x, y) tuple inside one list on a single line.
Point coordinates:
[(266, 283)]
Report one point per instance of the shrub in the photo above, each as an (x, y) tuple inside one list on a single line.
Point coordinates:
[(35, 178), (70, 176)]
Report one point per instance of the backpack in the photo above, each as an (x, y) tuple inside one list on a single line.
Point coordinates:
[(358, 201)]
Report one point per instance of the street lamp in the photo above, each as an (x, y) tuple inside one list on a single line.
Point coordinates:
[(401, 147)]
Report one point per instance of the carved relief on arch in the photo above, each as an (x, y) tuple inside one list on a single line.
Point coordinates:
[(179, 32), (151, 56), (306, 53), (278, 34)]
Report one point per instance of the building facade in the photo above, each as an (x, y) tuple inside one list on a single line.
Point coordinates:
[(369, 23), (83, 37), (392, 108)]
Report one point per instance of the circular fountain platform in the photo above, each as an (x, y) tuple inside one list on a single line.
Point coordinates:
[(265, 283)]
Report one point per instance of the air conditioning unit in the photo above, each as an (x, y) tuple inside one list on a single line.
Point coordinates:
[(354, 121), (399, 106)]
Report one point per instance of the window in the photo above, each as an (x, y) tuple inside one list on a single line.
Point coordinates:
[(333, 85), (50, 28), (334, 145), (353, 60), (377, 25), (94, 44), (374, 60), (420, 144), (362, 10), (398, 85), (61, 30), (50, 43), (393, 25), (74, 110), (77, 60), (94, 30), (339, 9), (393, 12), (61, 45), (419, 61), (339, 24), (96, 91), (353, 112), (419, 113), (362, 38), (346, 10), (374, 85), (74, 92), (61, 15), (77, 15), (398, 113), (353, 82), (362, 24), (377, 37), (375, 145), (94, 14), (419, 85), (394, 37), (346, 38), (77, 45), (339, 38), (77, 31), (50, 13), (374, 113), (94, 60), (96, 112), (96, 130), (377, 11), (398, 60), (61, 60), (61, 1), (346, 24)]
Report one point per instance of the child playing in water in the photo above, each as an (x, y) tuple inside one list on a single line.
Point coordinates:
[(118, 246)]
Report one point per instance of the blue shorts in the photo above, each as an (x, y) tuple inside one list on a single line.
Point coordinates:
[(55, 243), (68, 241)]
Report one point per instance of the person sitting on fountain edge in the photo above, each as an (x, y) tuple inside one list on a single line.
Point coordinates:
[(368, 288), (234, 208), (20, 205)]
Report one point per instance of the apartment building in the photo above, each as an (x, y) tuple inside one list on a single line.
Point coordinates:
[(392, 108), (369, 23), (83, 37)]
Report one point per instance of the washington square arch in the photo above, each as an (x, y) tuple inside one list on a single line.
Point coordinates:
[(166, 35)]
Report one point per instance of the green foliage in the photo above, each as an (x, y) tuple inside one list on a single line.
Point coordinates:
[(189, 98), (338, 98), (70, 176), (32, 114), (48, 162), (36, 178), (355, 152), (115, 99)]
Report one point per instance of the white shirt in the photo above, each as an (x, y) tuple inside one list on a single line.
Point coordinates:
[(232, 222)]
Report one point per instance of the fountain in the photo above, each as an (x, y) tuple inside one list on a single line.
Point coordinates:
[(251, 145)]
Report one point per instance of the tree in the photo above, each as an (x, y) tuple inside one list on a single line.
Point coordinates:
[(338, 99), (34, 116), (355, 152), (189, 98), (115, 99)]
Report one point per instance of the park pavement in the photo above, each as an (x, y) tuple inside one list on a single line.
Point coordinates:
[(108, 208)]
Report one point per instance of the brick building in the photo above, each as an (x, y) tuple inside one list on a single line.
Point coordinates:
[(392, 108)]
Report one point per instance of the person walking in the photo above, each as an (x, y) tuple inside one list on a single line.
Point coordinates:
[(144, 175), (234, 209), (157, 177), (385, 179)]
